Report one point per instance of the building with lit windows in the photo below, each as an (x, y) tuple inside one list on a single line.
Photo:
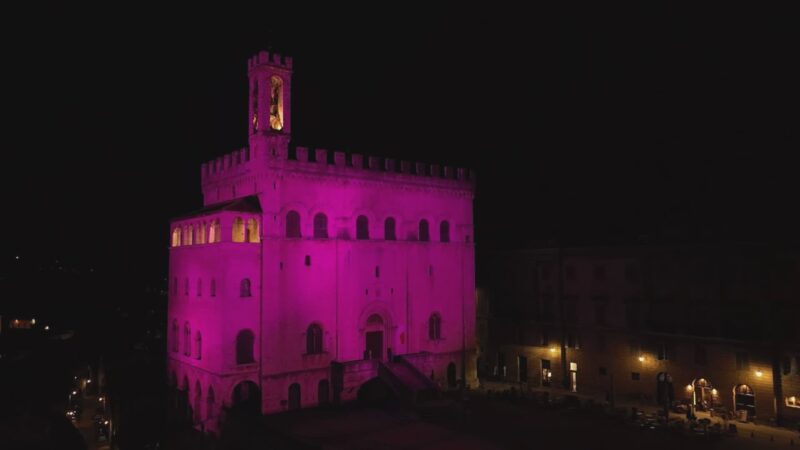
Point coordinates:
[(720, 321), (308, 273)]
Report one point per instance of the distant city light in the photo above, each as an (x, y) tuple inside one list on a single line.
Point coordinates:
[(89, 380), (101, 399), (33, 321), (46, 327), (74, 392), (17, 257), (105, 423)]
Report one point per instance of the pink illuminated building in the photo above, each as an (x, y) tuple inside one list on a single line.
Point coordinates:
[(307, 274)]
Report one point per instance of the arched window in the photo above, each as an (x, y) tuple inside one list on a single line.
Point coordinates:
[(186, 286), (435, 327), (176, 237), (444, 231), (187, 339), (187, 238), (210, 403), (320, 226), (292, 224), (389, 229), (175, 336), (199, 287), (244, 347), (213, 231), (362, 228), (237, 235), (314, 339), (424, 231), (251, 234), (195, 235), (213, 288), (244, 288), (198, 345)]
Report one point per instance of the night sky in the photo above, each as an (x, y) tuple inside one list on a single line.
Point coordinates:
[(589, 124)]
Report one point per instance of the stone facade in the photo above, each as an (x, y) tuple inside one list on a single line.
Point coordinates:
[(303, 261)]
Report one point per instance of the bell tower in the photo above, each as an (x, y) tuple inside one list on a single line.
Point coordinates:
[(269, 117)]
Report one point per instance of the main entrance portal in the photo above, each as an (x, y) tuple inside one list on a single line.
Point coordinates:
[(374, 345)]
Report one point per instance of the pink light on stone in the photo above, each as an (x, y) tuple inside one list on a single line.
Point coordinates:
[(296, 266)]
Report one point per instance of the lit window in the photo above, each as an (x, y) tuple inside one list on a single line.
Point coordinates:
[(793, 401), (238, 230), (424, 231)]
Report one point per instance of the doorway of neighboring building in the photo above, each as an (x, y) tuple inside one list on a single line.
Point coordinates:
[(745, 399), (547, 374), (522, 362), (573, 377), (451, 375)]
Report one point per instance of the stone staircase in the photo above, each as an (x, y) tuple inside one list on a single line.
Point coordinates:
[(408, 383)]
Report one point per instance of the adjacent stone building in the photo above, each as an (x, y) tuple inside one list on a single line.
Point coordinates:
[(720, 321)]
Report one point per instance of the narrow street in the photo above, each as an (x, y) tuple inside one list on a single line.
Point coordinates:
[(87, 426)]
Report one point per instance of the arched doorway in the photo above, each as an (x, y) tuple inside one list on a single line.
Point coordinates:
[(323, 392), (294, 396), (247, 398), (198, 396), (451, 375), (374, 337), (744, 399), (703, 394), (184, 412)]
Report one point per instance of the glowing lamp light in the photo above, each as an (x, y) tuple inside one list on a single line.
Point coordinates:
[(33, 321), (641, 359), (552, 349), (689, 387), (105, 423), (47, 328), (89, 380), (101, 399), (714, 392), (759, 373), (74, 392)]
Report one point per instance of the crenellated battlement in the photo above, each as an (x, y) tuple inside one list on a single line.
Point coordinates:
[(351, 164), (273, 59)]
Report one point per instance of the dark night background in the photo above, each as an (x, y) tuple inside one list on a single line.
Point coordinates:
[(588, 124)]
